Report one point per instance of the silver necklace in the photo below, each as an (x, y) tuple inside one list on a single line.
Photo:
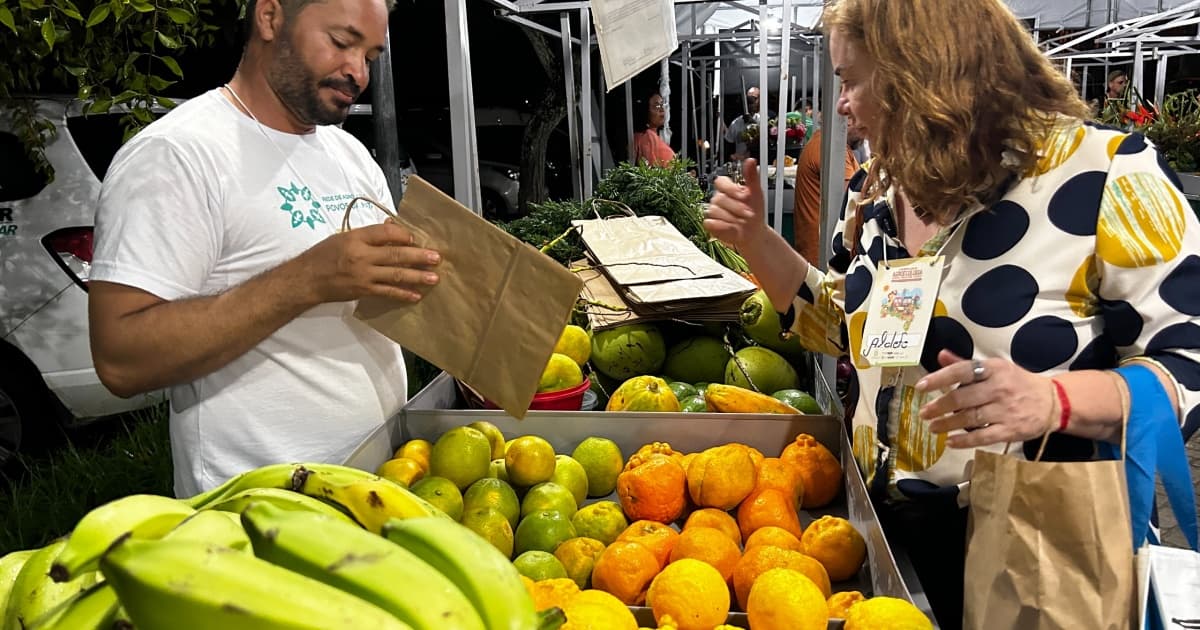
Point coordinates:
[(300, 179)]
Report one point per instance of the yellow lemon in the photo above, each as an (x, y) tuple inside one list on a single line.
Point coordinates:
[(575, 343), (401, 470), (417, 450), (886, 612), (785, 599), (529, 461), (596, 610), (561, 372), (692, 592)]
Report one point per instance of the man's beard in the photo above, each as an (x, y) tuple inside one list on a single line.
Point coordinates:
[(297, 87)]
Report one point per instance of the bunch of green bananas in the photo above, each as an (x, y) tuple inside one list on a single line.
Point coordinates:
[(285, 546)]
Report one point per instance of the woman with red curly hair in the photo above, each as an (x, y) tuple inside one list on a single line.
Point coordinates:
[(1068, 252)]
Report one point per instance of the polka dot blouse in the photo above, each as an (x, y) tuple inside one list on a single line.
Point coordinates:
[(1092, 260)]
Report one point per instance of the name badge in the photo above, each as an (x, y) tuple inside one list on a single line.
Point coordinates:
[(899, 310)]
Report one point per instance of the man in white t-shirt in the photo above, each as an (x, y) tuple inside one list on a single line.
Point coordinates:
[(220, 271)]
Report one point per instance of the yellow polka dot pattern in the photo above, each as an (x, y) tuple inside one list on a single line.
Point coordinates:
[(939, 309), (1141, 222), (1114, 143), (1081, 294), (865, 452), (917, 448), (858, 321), (1058, 149)]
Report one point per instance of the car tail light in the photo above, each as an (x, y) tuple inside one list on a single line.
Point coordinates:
[(71, 248)]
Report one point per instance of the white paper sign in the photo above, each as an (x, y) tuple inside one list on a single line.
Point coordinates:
[(633, 35)]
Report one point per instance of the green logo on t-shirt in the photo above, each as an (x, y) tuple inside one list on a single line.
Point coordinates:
[(296, 200)]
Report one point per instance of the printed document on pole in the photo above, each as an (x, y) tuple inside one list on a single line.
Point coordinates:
[(633, 35)]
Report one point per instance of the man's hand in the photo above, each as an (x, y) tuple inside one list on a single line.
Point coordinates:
[(736, 213), (380, 260)]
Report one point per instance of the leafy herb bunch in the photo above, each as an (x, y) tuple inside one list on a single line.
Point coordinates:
[(671, 192)]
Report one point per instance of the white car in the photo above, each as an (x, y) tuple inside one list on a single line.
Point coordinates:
[(45, 253)]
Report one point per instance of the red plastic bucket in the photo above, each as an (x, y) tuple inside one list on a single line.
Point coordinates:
[(561, 400)]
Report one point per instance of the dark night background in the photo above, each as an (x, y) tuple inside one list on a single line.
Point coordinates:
[(505, 72)]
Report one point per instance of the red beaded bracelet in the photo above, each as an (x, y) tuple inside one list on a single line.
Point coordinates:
[(1064, 403)]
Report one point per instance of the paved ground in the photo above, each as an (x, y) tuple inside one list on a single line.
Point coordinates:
[(1171, 534)]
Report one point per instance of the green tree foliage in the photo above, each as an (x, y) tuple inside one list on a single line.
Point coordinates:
[(110, 53)]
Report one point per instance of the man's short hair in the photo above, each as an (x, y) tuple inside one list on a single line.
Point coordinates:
[(1116, 74), (291, 8)]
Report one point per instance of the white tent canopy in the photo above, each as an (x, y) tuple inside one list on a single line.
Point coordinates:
[(1044, 14)]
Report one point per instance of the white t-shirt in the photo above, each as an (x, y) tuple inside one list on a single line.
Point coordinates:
[(201, 201)]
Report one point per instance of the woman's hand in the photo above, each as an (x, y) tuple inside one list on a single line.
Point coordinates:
[(736, 215), (996, 401)]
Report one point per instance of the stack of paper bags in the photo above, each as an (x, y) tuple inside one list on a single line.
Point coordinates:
[(647, 266)]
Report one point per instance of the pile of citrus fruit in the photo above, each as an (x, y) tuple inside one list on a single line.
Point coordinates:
[(691, 536)]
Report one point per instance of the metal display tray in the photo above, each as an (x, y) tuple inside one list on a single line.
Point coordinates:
[(436, 409)]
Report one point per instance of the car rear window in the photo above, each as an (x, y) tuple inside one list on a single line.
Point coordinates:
[(19, 179), (98, 137)]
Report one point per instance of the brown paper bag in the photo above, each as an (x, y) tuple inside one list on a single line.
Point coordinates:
[(1049, 546), (494, 318)]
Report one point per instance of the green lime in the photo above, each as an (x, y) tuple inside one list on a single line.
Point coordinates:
[(548, 496), (543, 531), (497, 470), (801, 401), (602, 460), (496, 494), (442, 493), (539, 565), (461, 455), (602, 520), (492, 526), (570, 474)]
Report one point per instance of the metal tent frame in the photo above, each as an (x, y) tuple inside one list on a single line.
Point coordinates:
[(1131, 41), (702, 51)]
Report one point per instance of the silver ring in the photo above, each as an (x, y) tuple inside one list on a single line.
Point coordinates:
[(977, 370)]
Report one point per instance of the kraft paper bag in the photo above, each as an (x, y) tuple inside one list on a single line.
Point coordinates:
[(1049, 546), (495, 316)]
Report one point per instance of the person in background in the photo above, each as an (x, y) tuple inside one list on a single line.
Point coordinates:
[(1115, 89), (1118, 82), (221, 273), (1068, 249), (735, 133), (648, 145), (806, 210)]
